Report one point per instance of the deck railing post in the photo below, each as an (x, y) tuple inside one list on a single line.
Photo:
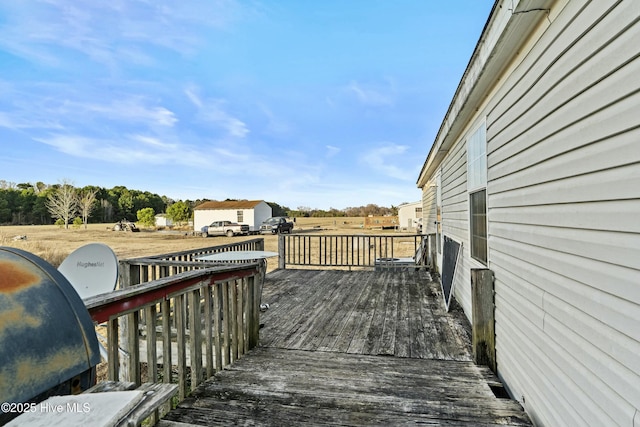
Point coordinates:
[(129, 275), (483, 316), (282, 252)]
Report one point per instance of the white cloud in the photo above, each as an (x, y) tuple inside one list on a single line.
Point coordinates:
[(132, 109), (98, 30), (332, 151), (373, 95), (34, 121), (132, 149), (388, 160), (192, 93), (43, 111), (275, 125), (157, 143), (213, 111)]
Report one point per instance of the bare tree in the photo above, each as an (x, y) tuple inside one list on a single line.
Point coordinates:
[(63, 202), (85, 204)]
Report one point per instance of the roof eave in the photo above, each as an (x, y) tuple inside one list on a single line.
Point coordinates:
[(503, 35)]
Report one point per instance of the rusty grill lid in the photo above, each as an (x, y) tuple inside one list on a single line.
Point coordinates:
[(46, 333)]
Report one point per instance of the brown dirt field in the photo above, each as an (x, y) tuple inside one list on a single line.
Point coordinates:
[(54, 244)]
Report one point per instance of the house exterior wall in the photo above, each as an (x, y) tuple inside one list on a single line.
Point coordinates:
[(429, 217), (455, 219), (563, 190), (563, 213)]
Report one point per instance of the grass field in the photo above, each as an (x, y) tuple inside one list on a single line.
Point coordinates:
[(54, 244)]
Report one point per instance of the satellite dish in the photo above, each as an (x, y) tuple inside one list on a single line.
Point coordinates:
[(91, 269)]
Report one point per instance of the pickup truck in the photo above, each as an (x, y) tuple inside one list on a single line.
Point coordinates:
[(224, 228), (276, 225)]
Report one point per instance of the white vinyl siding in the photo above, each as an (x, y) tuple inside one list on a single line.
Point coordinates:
[(564, 219), (429, 208), (455, 218)]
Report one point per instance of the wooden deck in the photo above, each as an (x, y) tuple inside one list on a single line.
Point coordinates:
[(353, 348)]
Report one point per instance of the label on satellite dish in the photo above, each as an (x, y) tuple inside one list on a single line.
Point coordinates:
[(90, 264)]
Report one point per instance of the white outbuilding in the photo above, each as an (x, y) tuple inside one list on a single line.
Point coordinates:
[(251, 212), (410, 216), (163, 221)]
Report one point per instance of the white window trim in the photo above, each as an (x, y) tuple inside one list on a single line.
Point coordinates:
[(474, 158)]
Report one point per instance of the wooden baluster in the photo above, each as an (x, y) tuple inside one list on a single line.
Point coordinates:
[(208, 324), (195, 342), (113, 349), (179, 313), (233, 321), (226, 314), (217, 325)]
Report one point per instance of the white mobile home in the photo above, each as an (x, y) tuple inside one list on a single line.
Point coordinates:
[(410, 216), (251, 212), (535, 171)]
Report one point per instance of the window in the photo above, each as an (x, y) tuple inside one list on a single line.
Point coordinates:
[(240, 216), (477, 160), (478, 207), (418, 211), (477, 188)]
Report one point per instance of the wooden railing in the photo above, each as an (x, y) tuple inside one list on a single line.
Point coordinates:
[(350, 251), (196, 322), (178, 319), (141, 270)]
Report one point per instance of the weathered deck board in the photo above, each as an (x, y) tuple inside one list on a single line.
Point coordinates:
[(324, 359), (291, 387), (363, 312)]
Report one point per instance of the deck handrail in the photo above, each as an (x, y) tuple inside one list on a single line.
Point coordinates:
[(198, 320), (345, 250), (134, 271)]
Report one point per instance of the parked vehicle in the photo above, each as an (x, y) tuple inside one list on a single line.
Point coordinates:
[(224, 228), (276, 225), (125, 225)]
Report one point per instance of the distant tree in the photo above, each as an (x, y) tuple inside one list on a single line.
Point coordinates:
[(39, 187), (86, 199), (7, 185), (5, 206), (179, 212), (40, 211), (125, 203), (146, 217), (63, 203), (24, 205)]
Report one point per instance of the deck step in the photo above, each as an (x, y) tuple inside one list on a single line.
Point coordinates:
[(292, 387)]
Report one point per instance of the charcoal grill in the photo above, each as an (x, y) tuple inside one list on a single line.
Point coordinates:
[(48, 344)]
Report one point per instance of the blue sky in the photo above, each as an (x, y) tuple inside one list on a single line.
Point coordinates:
[(315, 103)]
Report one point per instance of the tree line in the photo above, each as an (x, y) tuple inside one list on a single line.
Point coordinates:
[(63, 203), (41, 203), (370, 209)]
